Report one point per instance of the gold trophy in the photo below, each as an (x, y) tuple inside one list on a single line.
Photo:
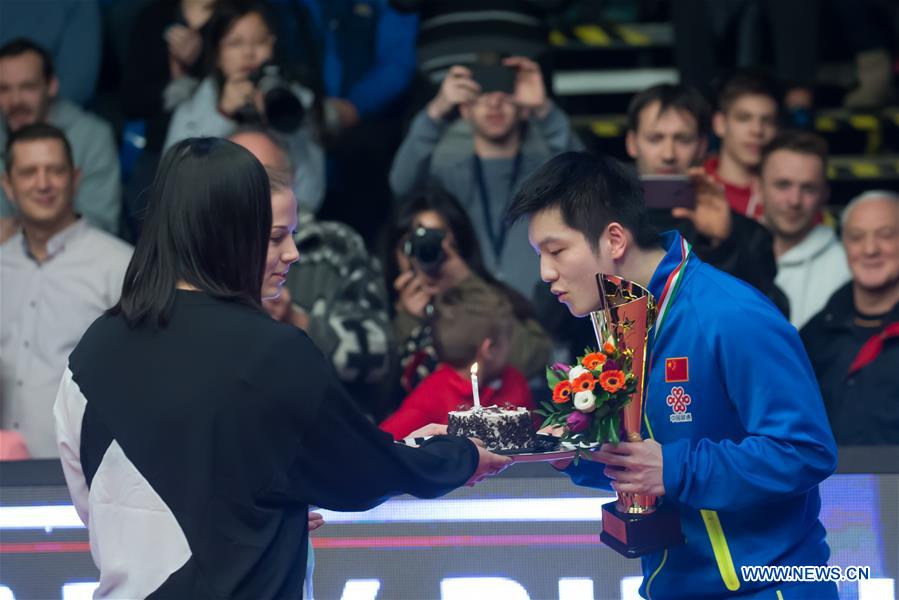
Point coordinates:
[(636, 524)]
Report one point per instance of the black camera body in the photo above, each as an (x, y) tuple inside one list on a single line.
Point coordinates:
[(425, 248), (284, 100)]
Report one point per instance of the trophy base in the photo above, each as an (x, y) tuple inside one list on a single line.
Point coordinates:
[(635, 535)]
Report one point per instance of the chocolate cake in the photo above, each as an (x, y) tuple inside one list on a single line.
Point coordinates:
[(501, 429)]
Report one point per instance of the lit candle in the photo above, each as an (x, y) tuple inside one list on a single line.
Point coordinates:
[(474, 385)]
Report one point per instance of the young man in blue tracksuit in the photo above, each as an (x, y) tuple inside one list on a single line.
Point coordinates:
[(735, 433)]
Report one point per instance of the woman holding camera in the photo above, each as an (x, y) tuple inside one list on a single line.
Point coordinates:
[(241, 41), (188, 449), (430, 248)]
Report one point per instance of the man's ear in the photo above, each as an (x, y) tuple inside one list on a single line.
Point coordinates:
[(825, 195), (485, 349), (614, 241), (702, 149), (719, 124), (53, 88), (630, 144), (7, 188), (76, 179)]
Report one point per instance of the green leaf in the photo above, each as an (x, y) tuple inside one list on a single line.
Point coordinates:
[(553, 377), (548, 407), (614, 428)]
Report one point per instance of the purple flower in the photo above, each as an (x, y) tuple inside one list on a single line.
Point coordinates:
[(610, 365), (560, 367), (578, 422)]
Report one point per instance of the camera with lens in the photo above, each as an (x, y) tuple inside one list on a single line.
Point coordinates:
[(285, 100), (425, 247)]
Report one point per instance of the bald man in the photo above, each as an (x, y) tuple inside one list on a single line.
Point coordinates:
[(335, 292)]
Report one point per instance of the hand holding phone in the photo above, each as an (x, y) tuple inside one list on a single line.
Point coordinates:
[(711, 213)]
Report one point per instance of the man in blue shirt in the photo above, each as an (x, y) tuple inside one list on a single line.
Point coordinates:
[(735, 433)]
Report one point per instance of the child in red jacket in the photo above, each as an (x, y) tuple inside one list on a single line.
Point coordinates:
[(470, 324)]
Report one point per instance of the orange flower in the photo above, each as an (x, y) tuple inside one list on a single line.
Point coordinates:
[(612, 381), (608, 347), (583, 383), (594, 360), (562, 392)]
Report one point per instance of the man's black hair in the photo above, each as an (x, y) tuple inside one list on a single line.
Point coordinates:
[(748, 82), (208, 224), (20, 45), (590, 192), (33, 132), (671, 96)]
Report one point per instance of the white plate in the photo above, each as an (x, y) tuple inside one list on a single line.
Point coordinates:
[(542, 456)]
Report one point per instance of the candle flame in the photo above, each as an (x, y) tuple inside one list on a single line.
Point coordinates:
[(474, 368)]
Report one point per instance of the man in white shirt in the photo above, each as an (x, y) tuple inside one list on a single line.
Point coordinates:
[(811, 262), (57, 274)]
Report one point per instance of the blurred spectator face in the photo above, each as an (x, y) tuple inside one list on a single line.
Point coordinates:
[(871, 238), (245, 47), (24, 92), (746, 127), (41, 182), (666, 143), (282, 251), (492, 116), (793, 189)]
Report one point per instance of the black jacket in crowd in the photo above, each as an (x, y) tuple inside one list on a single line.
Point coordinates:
[(863, 408), (748, 253)]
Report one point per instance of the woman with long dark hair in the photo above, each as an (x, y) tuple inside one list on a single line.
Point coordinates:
[(411, 288), (189, 453)]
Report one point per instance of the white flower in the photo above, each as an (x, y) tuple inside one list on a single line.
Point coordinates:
[(575, 372), (585, 401)]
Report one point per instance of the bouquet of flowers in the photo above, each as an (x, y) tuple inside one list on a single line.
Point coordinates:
[(588, 397)]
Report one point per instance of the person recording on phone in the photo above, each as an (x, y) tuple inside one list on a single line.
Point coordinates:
[(667, 136), (245, 87), (515, 127)]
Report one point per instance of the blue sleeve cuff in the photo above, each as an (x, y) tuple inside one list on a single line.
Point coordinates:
[(587, 473)]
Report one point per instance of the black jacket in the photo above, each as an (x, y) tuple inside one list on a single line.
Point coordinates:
[(863, 408), (195, 450), (747, 254)]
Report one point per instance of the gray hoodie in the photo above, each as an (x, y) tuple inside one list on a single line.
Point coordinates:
[(810, 272), (418, 159)]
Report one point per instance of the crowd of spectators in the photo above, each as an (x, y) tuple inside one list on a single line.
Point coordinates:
[(401, 132)]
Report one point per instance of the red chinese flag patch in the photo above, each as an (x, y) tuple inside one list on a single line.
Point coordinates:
[(677, 369)]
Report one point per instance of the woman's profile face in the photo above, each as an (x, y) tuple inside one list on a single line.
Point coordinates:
[(282, 251), (247, 45)]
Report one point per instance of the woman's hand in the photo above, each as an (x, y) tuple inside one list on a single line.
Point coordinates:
[(236, 93), (315, 521), (415, 293)]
